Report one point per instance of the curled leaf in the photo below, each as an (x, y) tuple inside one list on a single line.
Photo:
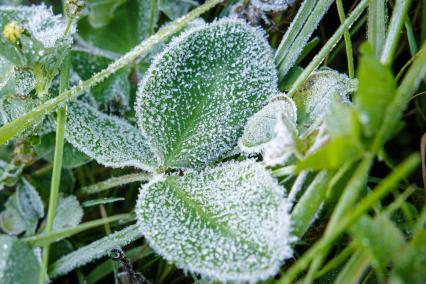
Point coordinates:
[(229, 223), (259, 129), (316, 95), (199, 92)]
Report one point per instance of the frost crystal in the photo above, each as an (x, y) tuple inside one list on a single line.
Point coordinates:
[(94, 250), (272, 5), (229, 223), (39, 21), (199, 92), (320, 89), (260, 127), (109, 140)]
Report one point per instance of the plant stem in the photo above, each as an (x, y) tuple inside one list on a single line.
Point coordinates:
[(44, 239), (14, 127), (151, 17), (114, 182), (347, 37), (57, 165), (394, 31), (316, 61)]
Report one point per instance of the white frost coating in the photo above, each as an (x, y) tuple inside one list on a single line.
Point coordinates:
[(109, 140), (68, 213), (229, 223), (259, 129), (320, 89), (280, 149), (272, 5), (94, 251), (39, 20), (198, 93)]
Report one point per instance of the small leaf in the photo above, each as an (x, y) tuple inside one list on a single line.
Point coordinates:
[(229, 223), (198, 94), (9, 173), (314, 98), (68, 213), (95, 250), (260, 127), (376, 89), (18, 264), (369, 233), (29, 201), (176, 8), (272, 5), (410, 265), (109, 140), (128, 27), (101, 12)]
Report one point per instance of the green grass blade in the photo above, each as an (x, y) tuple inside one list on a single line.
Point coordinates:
[(376, 31)]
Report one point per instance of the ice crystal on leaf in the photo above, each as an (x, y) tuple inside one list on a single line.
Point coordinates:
[(229, 223), (199, 92), (109, 140), (320, 89), (272, 5), (260, 127)]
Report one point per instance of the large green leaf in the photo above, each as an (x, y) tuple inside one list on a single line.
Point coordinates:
[(198, 94), (18, 264), (109, 140), (230, 223), (128, 27), (101, 12)]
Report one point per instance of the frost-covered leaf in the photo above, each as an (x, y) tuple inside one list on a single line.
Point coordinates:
[(68, 213), (95, 250), (18, 263), (7, 71), (377, 87), (36, 42), (272, 5), (9, 174), (109, 140), (260, 127), (176, 8), (128, 27), (71, 158), (29, 201), (22, 211), (315, 96), (229, 223), (198, 94)]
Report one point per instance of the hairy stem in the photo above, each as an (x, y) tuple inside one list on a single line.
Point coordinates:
[(114, 182)]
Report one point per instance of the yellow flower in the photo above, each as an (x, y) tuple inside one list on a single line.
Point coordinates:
[(12, 32)]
